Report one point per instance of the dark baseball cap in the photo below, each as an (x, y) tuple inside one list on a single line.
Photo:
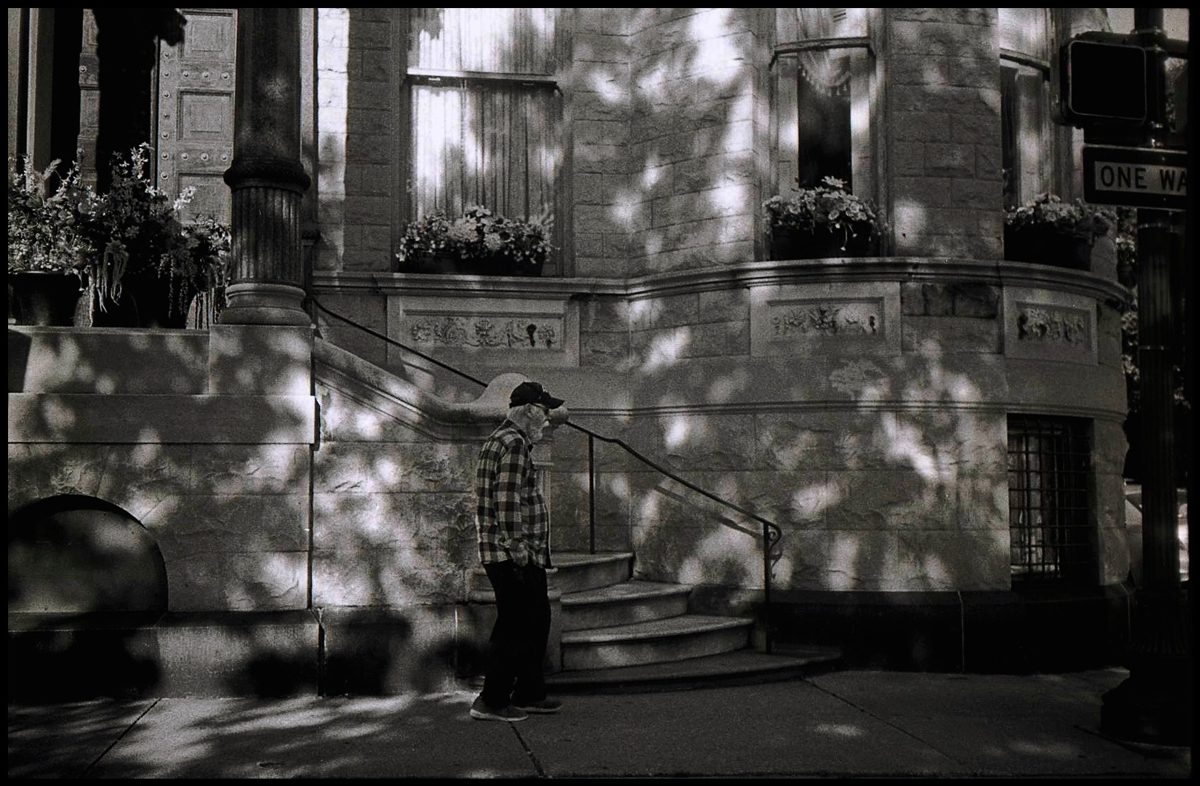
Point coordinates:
[(532, 393)]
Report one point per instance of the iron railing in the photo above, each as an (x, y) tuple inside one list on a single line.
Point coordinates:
[(771, 533)]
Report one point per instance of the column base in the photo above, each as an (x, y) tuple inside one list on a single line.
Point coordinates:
[(264, 304)]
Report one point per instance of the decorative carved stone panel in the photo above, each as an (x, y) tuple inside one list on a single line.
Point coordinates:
[(195, 110), (800, 318), (507, 331), (827, 318), (1047, 325), (487, 332)]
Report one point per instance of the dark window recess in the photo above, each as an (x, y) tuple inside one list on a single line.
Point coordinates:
[(1050, 521), (1008, 136), (824, 125)]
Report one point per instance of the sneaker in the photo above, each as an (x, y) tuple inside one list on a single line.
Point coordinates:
[(545, 706), (480, 711)]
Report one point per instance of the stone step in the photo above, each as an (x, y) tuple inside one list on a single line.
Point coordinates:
[(623, 604), (578, 571), (573, 572), (742, 667), (118, 360), (655, 641)]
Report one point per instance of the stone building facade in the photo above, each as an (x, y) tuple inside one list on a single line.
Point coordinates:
[(898, 416)]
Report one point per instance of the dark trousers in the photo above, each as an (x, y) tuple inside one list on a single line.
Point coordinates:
[(518, 642)]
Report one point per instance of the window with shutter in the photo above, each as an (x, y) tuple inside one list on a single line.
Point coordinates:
[(485, 112)]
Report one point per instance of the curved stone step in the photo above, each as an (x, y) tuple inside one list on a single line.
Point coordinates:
[(577, 572), (656, 641), (623, 604), (486, 596), (742, 667), (573, 571)]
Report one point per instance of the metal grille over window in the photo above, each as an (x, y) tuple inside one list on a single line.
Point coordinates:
[(1049, 460)]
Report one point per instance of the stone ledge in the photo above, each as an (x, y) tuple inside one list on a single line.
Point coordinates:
[(106, 360), (909, 269), (161, 419)]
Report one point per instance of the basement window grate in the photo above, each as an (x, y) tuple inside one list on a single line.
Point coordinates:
[(1050, 521)]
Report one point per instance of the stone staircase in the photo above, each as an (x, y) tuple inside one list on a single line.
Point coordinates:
[(616, 632)]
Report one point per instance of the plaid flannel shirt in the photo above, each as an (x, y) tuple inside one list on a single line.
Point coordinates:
[(509, 506)]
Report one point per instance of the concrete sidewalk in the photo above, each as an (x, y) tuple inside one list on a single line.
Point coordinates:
[(850, 723)]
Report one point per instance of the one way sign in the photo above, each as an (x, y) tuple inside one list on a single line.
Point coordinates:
[(1135, 177)]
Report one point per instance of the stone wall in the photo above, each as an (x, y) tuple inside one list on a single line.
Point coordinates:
[(212, 459), (362, 517), (356, 181), (943, 134), (393, 511), (599, 109), (695, 84), (865, 410)]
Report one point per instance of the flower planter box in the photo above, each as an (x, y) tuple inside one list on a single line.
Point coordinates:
[(1047, 246), (498, 265), (43, 298), (789, 243), (478, 243)]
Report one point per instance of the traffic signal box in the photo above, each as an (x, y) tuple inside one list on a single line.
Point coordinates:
[(1104, 83), (1113, 87)]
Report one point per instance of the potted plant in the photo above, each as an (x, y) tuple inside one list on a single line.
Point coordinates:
[(479, 242), (824, 221), (1049, 231), (46, 244), (149, 265)]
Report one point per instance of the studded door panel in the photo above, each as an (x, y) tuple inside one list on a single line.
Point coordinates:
[(195, 110)]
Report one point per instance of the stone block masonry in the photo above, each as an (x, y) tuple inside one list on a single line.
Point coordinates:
[(357, 138), (601, 197), (694, 76), (945, 142)]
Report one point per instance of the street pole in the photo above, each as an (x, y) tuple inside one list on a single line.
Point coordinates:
[(1155, 703)]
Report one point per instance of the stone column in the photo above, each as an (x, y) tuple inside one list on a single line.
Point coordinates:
[(267, 178)]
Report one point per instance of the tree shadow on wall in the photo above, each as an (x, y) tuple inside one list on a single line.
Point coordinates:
[(902, 514), (97, 527)]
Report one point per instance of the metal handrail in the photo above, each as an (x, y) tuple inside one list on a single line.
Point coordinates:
[(771, 533)]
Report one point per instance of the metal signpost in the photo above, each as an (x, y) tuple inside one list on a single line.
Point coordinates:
[(1113, 86)]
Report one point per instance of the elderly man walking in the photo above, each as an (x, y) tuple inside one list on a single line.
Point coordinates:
[(514, 547)]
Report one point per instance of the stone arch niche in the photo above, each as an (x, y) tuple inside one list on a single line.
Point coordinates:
[(73, 554), (87, 585)]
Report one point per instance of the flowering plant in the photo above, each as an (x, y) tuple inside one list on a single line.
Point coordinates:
[(138, 231), (478, 235), (132, 229), (829, 206), (1068, 218), (44, 231)]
